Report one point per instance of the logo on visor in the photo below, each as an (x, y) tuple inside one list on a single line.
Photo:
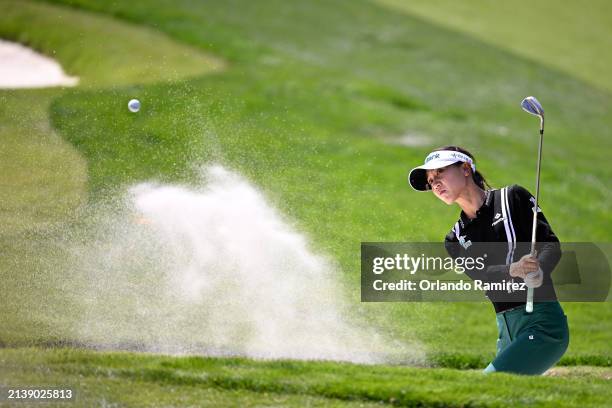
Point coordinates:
[(433, 156)]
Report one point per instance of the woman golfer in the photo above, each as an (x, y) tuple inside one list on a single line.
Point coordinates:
[(528, 343)]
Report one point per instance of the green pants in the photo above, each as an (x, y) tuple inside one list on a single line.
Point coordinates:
[(530, 343)]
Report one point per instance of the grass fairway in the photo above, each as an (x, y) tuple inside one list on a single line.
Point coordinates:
[(315, 103)]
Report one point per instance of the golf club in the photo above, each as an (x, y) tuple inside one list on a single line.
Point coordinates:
[(531, 105)]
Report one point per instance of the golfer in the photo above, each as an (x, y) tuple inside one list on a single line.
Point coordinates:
[(528, 343)]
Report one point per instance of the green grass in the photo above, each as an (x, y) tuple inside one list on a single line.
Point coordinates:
[(310, 105), (184, 380), (33, 367), (43, 176), (573, 38)]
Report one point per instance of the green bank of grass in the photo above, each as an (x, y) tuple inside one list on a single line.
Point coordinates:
[(573, 37), (30, 367), (161, 380), (313, 107)]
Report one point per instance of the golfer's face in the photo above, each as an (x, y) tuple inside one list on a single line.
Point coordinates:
[(446, 182)]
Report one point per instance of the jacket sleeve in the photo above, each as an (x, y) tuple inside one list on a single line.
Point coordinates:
[(491, 273), (547, 244)]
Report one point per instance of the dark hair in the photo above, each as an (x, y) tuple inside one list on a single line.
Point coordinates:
[(477, 176)]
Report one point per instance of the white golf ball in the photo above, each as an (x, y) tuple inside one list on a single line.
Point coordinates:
[(134, 105)]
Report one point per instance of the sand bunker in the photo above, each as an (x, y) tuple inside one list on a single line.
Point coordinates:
[(21, 67)]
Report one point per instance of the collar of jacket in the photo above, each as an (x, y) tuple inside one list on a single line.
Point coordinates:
[(486, 205)]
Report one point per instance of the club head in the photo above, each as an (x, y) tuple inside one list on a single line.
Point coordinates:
[(531, 105)]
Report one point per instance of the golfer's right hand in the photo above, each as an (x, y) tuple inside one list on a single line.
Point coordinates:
[(523, 266)]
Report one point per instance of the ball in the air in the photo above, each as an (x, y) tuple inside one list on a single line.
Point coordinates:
[(134, 105)]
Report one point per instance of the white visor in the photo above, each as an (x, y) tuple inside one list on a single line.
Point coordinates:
[(435, 160)]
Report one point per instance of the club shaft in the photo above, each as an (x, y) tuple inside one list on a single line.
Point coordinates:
[(529, 305), (537, 195)]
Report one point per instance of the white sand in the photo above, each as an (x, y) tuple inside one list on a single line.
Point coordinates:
[(21, 67)]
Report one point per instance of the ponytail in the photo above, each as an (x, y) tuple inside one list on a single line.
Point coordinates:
[(480, 180)]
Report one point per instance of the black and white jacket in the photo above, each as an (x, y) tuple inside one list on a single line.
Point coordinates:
[(506, 216)]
